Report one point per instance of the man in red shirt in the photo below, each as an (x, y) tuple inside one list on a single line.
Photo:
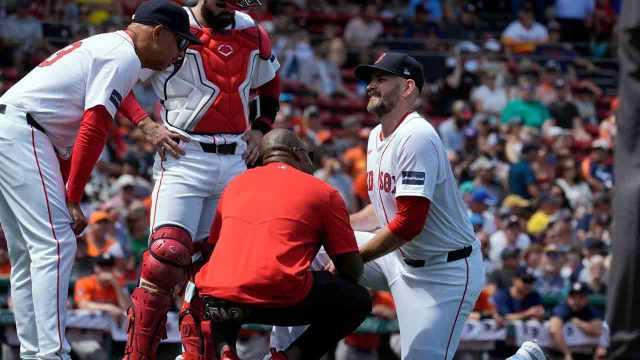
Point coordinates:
[(265, 242)]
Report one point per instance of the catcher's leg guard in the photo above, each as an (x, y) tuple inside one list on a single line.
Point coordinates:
[(194, 330), (163, 267)]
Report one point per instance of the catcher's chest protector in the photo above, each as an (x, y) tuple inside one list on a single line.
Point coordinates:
[(209, 92)]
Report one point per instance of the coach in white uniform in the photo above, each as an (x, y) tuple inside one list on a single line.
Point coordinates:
[(425, 251), (65, 107)]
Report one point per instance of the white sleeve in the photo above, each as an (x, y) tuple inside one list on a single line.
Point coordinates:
[(418, 169), (264, 71), (511, 31), (110, 79)]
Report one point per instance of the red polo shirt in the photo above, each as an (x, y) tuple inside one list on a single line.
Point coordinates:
[(270, 224)]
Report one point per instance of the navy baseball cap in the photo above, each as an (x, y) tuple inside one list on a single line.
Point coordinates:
[(394, 63), (167, 14)]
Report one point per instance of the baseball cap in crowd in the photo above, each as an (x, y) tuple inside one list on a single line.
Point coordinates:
[(481, 163), (595, 244), (394, 63), (579, 288), (509, 252), (124, 181), (513, 220), (492, 45), (98, 216), (525, 275), (481, 195), (515, 201), (167, 14), (476, 219), (104, 260)]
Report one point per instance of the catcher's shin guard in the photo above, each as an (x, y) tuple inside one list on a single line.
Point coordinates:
[(163, 268), (147, 324), (195, 332)]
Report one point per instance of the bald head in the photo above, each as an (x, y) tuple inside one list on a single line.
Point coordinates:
[(281, 145)]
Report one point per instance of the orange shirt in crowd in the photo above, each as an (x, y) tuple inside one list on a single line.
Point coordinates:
[(94, 250), (5, 269), (371, 341), (271, 222), (356, 160), (484, 302), (88, 288)]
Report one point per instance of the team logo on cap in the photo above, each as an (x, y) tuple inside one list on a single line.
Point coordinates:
[(380, 58), (406, 72), (225, 50)]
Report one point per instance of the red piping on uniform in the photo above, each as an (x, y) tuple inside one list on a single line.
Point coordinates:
[(53, 231), (155, 206), (459, 307)]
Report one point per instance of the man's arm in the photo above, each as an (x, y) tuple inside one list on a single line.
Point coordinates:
[(407, 224), (592, 328), (349, 266), (156, 134), (365, 219), (556, 326)]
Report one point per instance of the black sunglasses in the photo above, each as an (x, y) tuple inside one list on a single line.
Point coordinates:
[(308, 152)]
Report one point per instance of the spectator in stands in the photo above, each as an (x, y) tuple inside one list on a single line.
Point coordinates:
[(549, 282), (312, 125), (461, 20), (563, 111), (451, 129), (521, 179), (523, 34), (575, 17), (539, 221), (532, 258), (461, 73), (333, 174), (520, 301), (137, 225), (596, 276), (546, 90), (489, 98), (354, 158), (365, 346), (601, 210), (481, 204), (322, 76), (502, 277), (419, 25), (361, 31), (510, 236), (97, 238), (484, 177), (484, 307), (294, 51), (533, 112), (102, 292), (577, 310), (574, 187), (597, 169)]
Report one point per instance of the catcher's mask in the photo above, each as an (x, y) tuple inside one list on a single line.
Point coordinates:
[(242, 4)]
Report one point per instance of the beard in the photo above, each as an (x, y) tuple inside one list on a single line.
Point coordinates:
[(216, 22), (380, 105)]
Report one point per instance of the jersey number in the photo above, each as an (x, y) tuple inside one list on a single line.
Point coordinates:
[(62, 52)]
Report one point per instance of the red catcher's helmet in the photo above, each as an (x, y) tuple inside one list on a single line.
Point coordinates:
[(242, 4)]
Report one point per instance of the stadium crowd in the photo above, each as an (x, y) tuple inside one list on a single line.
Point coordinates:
[(521, 92)]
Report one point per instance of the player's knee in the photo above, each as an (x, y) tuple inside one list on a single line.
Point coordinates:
[(169, 254), (360, 302)]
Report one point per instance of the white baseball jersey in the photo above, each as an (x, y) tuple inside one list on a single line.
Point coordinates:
[(99, 70), (412, 162)]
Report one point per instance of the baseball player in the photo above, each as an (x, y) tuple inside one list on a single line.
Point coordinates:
[(206, 99), (424, 250), (60, 114)]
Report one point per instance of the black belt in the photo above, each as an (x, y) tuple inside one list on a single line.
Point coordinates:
[(222, 149), (30, 120), (454, 255)]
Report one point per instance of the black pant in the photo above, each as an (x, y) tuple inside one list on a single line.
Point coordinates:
[(334, 308)]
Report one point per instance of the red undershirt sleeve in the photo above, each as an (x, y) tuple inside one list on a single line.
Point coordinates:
[(131, 109), (65, 167), (272, 90), (94, 130), (411, 216)]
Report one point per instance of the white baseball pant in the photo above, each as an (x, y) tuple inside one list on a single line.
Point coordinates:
[(41, 244)]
